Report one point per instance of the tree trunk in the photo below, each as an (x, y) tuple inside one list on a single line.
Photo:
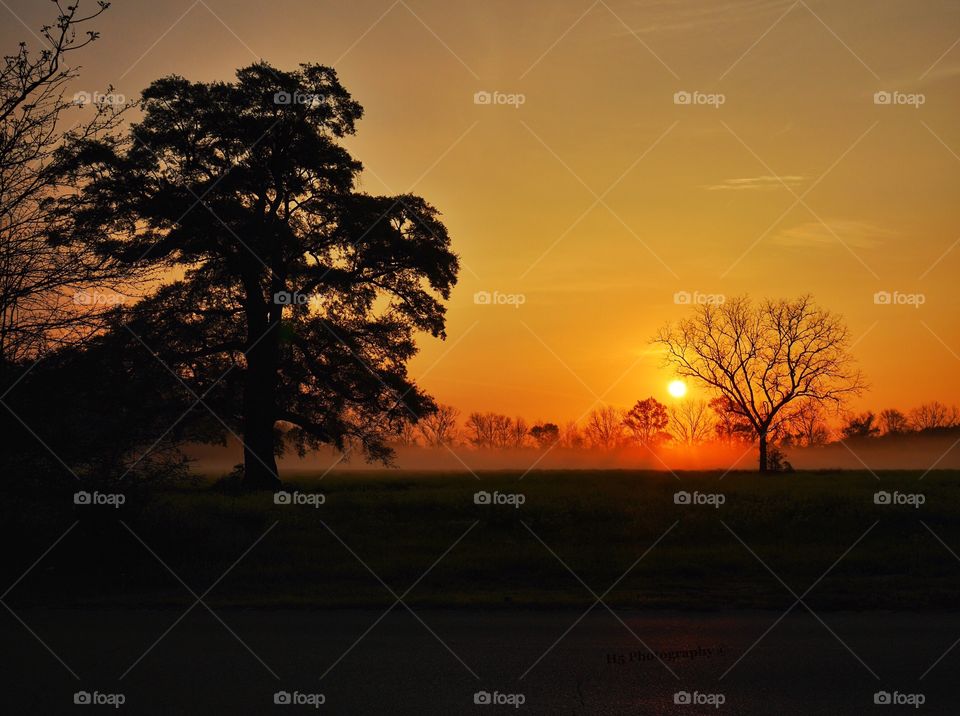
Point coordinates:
[(259, 412), (764, 465)]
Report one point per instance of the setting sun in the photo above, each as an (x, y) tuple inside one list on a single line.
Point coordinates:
[(677, 388)]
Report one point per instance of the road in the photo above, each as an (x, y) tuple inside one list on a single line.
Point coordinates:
[(437, 661)]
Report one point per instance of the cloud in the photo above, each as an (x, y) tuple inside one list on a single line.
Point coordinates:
[(855, 234), (762, 182), (667, 15)]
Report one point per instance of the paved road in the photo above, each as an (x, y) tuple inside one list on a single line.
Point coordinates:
[(401, 666)]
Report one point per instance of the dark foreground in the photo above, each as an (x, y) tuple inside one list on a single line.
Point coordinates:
[(790, 594), (403, 665)]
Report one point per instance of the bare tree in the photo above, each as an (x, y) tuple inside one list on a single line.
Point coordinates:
[(647, 421), (480, 429), (691, 421), (440, 427), (893, 422), (934, 415), (44, 287), (604, 428), (763, 357), (406, 434), (571, 436), (502, 428), (806, 426), (518, 433), (490, 430)]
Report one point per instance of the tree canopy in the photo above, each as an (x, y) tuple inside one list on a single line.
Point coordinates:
[(297, 291)]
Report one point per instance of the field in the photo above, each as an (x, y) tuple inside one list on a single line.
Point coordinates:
[(424, 532)]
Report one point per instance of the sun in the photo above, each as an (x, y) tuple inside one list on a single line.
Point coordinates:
[(677, 388)]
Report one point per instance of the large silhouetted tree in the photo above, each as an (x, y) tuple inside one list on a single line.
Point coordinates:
[(765, 358), (297, 290)]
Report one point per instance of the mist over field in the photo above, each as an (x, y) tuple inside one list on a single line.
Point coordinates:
[(907, 452)]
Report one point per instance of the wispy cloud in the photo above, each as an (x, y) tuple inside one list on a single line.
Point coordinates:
[(856, 234), (667, 15), (761, 182)]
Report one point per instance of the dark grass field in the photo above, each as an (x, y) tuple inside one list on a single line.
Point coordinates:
[(424, 532)]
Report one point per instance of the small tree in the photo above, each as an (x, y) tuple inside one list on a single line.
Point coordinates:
[(604, 428), (545, 434), (860, 426), (934, 415), (518, 432), (406, 435), (490, 430), (806, 426), (571, 436), (647, 420), (440, 427), (893, 422), (763, 357), (691, 421), (730, 426)]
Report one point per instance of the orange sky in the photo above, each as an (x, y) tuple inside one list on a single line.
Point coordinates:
[(599, 197)]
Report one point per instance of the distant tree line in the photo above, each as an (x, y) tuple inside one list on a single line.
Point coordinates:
[(927, 418), (651, 424)]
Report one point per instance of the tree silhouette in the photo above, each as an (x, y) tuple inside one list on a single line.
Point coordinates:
[(308, 291), (38, 283), (439, 428), (691, 421), (893, 422), (934, 415), (647, 420), (731, 426), (545, 434), (806, 426), (860, 426), (763, 357), (604, 427)]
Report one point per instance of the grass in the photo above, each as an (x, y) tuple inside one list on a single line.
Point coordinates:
[(597, 523)]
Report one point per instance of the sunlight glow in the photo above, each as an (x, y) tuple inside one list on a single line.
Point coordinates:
[(677, 388)]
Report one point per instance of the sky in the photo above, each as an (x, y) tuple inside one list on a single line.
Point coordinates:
[(597, 164)]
